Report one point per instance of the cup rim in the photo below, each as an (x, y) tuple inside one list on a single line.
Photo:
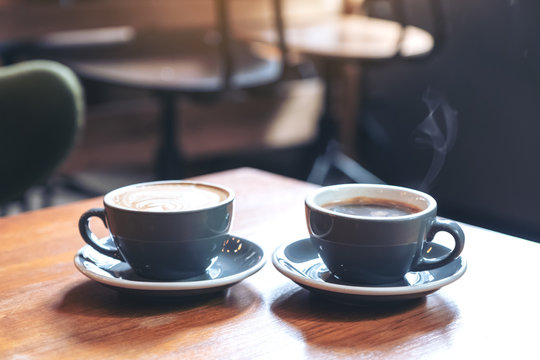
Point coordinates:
[(227, 200), (431, 202)]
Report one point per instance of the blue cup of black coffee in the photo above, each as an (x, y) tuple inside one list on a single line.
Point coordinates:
[(375, 234)]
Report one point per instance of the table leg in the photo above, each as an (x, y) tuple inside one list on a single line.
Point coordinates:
[(169, 163), (323, 162), (331, 155)]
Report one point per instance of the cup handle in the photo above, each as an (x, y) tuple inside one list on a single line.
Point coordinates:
[(91, 238), (453, 229)]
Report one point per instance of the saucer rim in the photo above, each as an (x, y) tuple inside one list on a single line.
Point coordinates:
[(171, 285), (364, 290)]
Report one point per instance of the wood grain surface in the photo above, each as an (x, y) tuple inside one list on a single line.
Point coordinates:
[(49, 310)]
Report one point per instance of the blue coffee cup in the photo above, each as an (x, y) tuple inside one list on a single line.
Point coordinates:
[(168, 234), (381, 245)]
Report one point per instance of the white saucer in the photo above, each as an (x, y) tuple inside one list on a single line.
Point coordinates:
[(239, 259), (299, 261)]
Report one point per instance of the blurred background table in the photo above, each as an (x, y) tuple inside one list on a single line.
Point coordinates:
[(48, 309), (339, 43), (140, 62)]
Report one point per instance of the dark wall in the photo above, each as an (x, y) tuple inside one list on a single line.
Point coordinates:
[(488, 70)]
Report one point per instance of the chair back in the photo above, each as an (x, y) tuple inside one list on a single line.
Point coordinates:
[(225, 29), (41, 115)]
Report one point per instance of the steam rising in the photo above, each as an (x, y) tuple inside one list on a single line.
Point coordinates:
[(437, 132)]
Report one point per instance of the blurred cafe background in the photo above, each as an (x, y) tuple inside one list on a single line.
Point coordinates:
[(437, 95)]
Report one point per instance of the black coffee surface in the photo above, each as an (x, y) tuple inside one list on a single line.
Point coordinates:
[(372, 207)]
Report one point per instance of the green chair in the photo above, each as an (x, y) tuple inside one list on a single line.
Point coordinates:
[(41, 115)]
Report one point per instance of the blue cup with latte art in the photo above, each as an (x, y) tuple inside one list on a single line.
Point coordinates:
[(165, 230)]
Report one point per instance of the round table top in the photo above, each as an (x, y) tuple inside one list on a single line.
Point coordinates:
[(180, 61), (354, 37)]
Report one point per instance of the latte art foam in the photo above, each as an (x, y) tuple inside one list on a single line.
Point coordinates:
[(169, 197)]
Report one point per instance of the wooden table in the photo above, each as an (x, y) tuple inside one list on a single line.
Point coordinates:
[(49, 310)]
